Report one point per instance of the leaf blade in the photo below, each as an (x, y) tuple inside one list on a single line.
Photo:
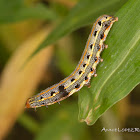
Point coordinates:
[(111, 85), (82, 14), (16, 11)]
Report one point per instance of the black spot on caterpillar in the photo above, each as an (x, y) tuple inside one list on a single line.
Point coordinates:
[(77, 86), (88, 56), (91, 46), (84, 65), (52, 93), (95, 33), (62, 91), (80, 72), (86, 77), (72, 79), (99, 22)]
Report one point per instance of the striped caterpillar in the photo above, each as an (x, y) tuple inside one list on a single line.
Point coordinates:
[(85, 69)]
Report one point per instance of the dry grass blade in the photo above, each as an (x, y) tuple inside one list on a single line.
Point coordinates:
[(16, 84)]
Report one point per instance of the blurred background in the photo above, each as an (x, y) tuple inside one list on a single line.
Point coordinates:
[(24, 24)]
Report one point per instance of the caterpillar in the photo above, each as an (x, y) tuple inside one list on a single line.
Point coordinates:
[(85, 69)]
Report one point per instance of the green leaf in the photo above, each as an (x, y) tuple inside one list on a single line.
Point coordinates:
[(62, 125), (84, 13), (29, 123), (120, 71), (64, 62), (13, 11)]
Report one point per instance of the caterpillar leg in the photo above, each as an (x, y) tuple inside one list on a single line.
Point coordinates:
[(101, 60), (88, 85), (104, 46), (35, 109), (95, 75)]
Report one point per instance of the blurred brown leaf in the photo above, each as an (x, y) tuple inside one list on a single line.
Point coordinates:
[(12, 35), (18, 84)]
